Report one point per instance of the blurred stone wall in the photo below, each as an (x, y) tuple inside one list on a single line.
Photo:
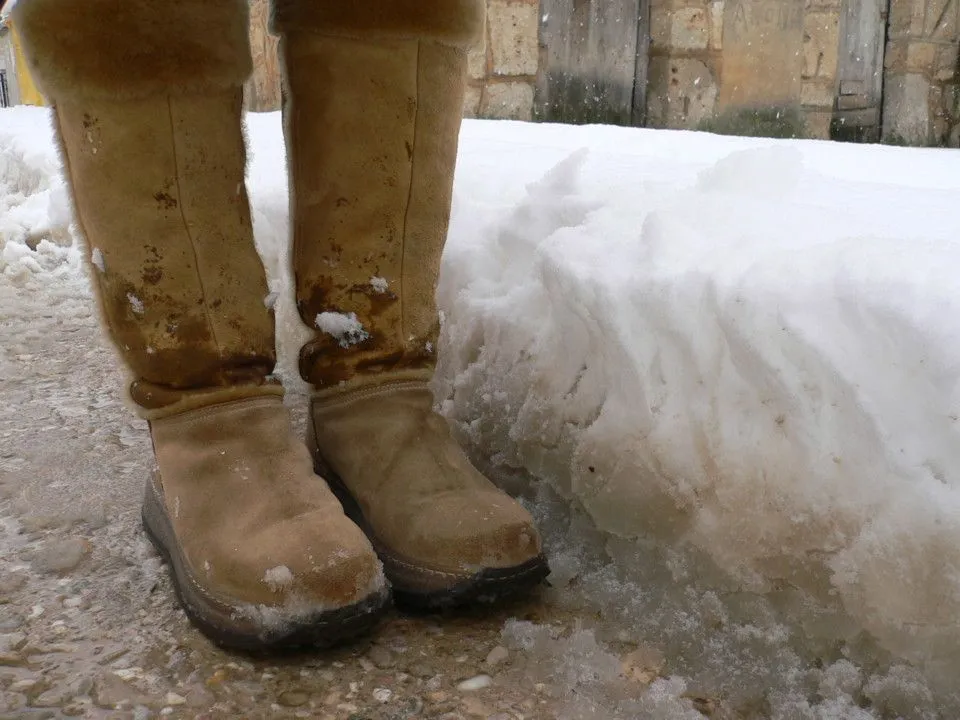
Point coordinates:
[(921, 97), (715, 58), (503, 65), (814, 68)]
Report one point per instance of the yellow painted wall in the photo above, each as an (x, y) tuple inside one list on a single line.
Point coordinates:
[(29, 95)]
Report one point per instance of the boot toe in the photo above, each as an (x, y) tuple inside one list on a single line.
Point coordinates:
[(452, 537), (445, 533), (315, 562), (470, 533), (308, 592), (330, 574), (464, 550)]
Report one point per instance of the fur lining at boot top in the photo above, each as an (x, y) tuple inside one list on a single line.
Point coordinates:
[(134, 48), (450, 22)]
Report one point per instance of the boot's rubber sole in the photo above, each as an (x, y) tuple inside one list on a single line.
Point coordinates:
[(235, 626), (487, 587), (415, 587)]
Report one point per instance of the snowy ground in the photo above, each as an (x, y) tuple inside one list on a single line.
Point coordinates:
[(724, 371)]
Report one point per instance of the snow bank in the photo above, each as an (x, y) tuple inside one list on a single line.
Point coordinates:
[(34, 205), (739, 357), (731, 364)]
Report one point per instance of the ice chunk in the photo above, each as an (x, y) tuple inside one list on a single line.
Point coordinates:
[(278, 577), (573, 661), (61, 555), (664, 701), (473, 684), (96, 257)]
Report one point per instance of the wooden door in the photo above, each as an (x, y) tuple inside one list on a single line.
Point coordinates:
[(593, 61), (863, 25)]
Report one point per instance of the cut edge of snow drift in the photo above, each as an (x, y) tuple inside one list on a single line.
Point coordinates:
[(754, 403)]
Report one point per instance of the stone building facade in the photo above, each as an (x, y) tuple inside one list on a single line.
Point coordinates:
[(831, 66), (713, 57), (921, 102), (503, 66), (821, 68)]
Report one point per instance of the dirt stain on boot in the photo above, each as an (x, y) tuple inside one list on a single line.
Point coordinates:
[(165, 200)]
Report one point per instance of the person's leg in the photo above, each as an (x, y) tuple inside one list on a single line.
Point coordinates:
[(372, 116), (147, 101)]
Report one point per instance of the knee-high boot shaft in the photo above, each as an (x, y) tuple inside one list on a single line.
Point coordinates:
[(147, 98), (372, 117)]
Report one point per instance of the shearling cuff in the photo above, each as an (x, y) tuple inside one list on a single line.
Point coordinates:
[(195, 399), (450, 22), (134, 48)]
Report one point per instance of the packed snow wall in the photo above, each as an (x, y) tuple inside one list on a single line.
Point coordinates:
[(740, 359)]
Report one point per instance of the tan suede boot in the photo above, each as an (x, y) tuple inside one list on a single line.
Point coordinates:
[(147, 100), (374, 96)]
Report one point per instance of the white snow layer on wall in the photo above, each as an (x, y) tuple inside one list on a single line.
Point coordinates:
[(733, 365)]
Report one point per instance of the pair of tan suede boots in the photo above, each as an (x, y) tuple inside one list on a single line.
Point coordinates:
[(147, 99)]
